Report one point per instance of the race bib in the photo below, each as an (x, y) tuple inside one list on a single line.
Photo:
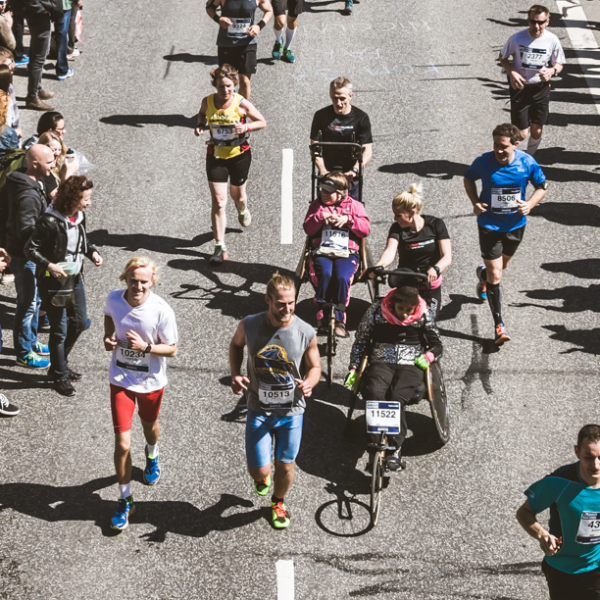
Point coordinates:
[(589, 528), (272, 396), (505, 201), (334, 241), (239, 28), (225, 133), (383, 416), (132, 360), (534, 58)]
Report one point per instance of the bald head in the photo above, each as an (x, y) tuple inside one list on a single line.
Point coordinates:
[(40, 160)]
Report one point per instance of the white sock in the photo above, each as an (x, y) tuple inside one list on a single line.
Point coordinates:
[(124, 491), (289, 36), (533, 145), (152, 450), (279, 35), (219, 245)]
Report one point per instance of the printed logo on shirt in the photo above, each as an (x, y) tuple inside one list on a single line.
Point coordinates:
[(275, 376), (419, 244), (334, 127)]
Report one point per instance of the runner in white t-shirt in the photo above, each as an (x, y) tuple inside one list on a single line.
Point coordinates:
[(537, 55), (140, 331)]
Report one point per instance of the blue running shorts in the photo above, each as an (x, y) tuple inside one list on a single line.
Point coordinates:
[(262, 430)]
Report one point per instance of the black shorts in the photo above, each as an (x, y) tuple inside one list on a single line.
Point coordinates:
[(242, 58), (494, 244), (530, 105), (565, 586), (219, 170), (294, 7)]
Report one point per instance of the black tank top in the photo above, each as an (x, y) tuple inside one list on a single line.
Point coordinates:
[(241, 12)]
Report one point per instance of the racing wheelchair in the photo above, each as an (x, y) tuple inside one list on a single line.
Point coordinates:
[(383, 417), (365, 260)]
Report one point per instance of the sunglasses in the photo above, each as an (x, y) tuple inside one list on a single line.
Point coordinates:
[(534, 22)]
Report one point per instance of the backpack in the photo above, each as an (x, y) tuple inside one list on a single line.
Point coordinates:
[(13, 160)]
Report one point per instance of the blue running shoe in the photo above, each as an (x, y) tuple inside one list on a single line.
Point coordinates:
[(70, 73), (152, 470), (348, 9), (23, 62), (41, 349), (481, 290), (288, 56), (277, 50), (120, 520), (33, 361)]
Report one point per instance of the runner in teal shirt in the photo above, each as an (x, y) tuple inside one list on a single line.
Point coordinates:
[(572, 546)]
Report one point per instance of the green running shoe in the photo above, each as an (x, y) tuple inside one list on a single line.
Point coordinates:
[(277, 49), (280, 517), (288, 56), (262, 487)]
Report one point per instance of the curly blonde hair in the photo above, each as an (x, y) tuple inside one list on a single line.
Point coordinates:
[(5, 101)]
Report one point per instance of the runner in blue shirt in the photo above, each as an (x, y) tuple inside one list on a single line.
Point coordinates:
[(501, 211), (572, 546)]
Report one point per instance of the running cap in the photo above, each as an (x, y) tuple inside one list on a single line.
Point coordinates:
[(329, 184)]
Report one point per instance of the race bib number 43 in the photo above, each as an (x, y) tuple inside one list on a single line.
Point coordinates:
[(132, 360), (505, 201), (589, 528), (383, 416)]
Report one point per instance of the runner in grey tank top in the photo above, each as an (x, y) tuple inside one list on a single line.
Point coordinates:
[(275, 357), (283, 367)]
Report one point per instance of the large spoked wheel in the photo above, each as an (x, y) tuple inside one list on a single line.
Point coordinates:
[(376, 486), (440, 410), (331, 343)]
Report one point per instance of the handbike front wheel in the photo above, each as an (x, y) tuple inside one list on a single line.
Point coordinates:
[(331, 343), (440, 410), (376, 486)]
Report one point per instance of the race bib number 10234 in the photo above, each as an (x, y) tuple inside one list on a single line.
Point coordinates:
[(132, 360)]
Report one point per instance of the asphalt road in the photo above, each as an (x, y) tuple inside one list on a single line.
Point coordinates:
[(426, 74)]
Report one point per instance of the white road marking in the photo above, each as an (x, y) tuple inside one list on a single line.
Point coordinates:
[(583, 39), (285, 577), (55, 504), (287, 200)]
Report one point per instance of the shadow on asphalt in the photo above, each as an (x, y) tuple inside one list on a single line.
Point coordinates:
[(141, 120), (586, 268), (82, 503), (575, 298), (575, 214), (186, 57), (588, 339)]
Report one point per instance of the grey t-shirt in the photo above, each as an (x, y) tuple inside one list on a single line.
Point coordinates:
[(274, 360)]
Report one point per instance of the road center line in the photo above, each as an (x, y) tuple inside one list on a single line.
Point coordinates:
[(287, 201), (583, 39), (285, 577)]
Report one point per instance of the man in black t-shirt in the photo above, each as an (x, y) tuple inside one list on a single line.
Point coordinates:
[(342, 122)]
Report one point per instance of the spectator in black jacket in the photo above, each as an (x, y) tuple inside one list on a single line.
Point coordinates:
[(39, 15), (26, 203), (59, 239)]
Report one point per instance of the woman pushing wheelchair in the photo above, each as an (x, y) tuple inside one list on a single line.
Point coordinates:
[(335, 224), (399, 336)]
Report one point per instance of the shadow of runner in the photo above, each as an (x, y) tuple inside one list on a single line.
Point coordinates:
[(569, 213), (141, 120), (82, 503), (186, 57), (586, 268), (588, 339), (574, 298)]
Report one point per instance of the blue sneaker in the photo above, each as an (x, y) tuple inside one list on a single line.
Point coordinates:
[(41, 349), (481, 290), (43, 323), (120, 520), (348, 9), (152, 470), (70, 73), (288, 56), (23, 62), (277, 50), (33, 361)]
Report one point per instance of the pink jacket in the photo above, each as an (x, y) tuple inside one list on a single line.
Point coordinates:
[(359, 224)]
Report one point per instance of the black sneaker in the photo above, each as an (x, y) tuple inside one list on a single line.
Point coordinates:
[(394, 463), (6, 408), (64, 387), (73, 376)]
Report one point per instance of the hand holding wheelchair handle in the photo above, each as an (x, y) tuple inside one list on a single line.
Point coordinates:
[(379, 271), (350, 379)]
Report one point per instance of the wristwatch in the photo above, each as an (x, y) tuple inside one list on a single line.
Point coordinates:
[(356, 170), (148, 348), (437, 269)]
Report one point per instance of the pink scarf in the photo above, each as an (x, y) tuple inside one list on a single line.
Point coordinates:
[(387, 310)]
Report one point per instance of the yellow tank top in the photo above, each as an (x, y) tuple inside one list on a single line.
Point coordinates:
[(222, 129)]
